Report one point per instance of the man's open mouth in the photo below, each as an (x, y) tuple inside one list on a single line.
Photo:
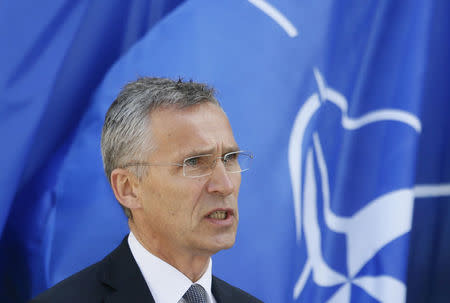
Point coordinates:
[(220, 214)]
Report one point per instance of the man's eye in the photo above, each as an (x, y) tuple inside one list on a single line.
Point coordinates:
[(192, 161), (230, 157)]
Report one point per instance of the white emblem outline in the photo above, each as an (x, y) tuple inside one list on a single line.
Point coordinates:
[(399, 220), (276, 16)]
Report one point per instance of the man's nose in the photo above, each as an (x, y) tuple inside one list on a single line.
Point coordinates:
[(220, 181)]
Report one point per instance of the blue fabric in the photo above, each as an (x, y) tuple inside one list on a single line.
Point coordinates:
[(368, 82), (429, 271), (54, 55)]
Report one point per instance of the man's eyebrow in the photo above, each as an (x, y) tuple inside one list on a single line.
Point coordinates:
[(229, 149), (212, 150), (197, 152)]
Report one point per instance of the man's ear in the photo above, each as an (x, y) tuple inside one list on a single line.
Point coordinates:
[(126, 188)]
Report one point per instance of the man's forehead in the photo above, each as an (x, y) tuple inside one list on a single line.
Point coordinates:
[(200, 129)]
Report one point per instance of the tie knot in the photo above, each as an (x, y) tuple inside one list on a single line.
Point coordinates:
[(195, 294)]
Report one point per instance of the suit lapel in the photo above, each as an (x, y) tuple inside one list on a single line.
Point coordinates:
[(221, 291), (122, 274)]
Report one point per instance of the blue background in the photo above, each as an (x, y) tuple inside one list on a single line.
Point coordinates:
[(63, 62)]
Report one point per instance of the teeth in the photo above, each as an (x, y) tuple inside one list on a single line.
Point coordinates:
[(219, 214)]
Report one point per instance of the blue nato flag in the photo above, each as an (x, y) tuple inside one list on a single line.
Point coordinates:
[(344, 105)]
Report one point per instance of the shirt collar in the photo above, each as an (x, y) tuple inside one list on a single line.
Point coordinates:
[(166, 283)]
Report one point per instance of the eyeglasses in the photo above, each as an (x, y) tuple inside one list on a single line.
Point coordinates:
[(203, 165)]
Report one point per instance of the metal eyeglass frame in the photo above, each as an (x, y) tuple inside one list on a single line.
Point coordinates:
[(184, 165)]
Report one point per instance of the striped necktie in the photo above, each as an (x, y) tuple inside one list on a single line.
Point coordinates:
[(195, 294)]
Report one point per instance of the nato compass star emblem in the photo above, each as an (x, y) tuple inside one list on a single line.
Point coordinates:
[(364, 236)]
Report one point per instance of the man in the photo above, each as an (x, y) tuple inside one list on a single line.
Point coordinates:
[(172, 161)]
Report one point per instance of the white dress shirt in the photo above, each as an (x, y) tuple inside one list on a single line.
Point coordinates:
[(166, 283)]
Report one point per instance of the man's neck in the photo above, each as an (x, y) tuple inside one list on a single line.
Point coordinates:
[(192, 266)]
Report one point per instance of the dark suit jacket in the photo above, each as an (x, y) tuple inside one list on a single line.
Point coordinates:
[(117, 278)]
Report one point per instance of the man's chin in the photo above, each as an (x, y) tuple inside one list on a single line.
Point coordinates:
[(215, 244), (221, 243)]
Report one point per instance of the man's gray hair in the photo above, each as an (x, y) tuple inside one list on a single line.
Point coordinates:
[(125, 135)]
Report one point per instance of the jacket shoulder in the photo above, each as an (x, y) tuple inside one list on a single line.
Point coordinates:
[(230, 293), (84, 286)]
